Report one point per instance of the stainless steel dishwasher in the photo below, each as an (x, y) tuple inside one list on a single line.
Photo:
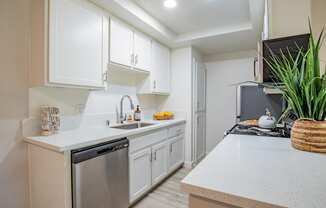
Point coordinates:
[(100, 176)]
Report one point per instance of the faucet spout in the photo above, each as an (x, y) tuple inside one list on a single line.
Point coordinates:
[(122, 118)]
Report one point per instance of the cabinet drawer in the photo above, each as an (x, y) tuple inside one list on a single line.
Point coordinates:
[(176, 130), (141, 141)]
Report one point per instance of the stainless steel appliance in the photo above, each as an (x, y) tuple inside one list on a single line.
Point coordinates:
[(252, 102), (100, 175), (268, 48), (256, 131)]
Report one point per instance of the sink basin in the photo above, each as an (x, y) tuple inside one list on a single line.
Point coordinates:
[(132, 126)]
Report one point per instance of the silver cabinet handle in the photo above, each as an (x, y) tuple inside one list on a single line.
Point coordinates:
[(154, 84), (150, 158), (179, 131), (170, 148), (154, 155), (105, 76), (132, 59), (136, 59)]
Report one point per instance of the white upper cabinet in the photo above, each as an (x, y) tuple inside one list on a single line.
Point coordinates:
[(128, 48), (159, 80), (160, 68), (77, 41), (142, 52), (121, 44)]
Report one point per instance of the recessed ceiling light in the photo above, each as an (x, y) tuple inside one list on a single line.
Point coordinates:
[(170, 3)]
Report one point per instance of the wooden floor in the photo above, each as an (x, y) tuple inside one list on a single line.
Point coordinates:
[(167, 195)]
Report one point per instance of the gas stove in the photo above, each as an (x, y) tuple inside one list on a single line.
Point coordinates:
[(256, 131)]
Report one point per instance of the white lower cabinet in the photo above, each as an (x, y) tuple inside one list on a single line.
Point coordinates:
[(153, 157), (140, 173), (147, 168), (159, 162), (176, 152)]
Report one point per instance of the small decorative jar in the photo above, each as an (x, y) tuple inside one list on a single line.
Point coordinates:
[(50, 120)]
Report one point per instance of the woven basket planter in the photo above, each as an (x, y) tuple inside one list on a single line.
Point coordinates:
[(309, 136)]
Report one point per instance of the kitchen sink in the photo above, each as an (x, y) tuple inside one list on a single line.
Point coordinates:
[(132, 126)]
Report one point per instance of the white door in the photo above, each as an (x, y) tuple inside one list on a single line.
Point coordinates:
[(139, 173), (142, 51), (159, 162), (199, 110), (121, 44), (176, 152), (160, 68), (76, 44)]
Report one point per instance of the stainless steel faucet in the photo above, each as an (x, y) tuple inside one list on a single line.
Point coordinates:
[(123, 117)]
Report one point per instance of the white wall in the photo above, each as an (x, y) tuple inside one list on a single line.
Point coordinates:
[(289, 17), (230, 56), (318, 19), (221, 95), (180, 99), (180, 81), (14, 61)]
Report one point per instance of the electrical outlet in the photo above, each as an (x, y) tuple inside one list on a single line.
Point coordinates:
[(79, 108)]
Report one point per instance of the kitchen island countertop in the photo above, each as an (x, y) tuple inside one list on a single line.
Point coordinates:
[(253, 171)]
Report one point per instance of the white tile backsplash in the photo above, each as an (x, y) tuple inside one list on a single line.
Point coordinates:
[(87, 108)]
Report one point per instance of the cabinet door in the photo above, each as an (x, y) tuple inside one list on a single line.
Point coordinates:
[(160, 68), (76, 44), (176, 152), (120, 44), (142, 51), (139, 173), (159, 162)]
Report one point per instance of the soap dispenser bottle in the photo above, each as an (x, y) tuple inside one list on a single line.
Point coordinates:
[(137, 114)]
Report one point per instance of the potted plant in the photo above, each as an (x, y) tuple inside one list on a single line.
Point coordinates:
[(303, 86)]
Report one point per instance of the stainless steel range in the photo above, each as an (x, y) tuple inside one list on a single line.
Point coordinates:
[(256, 131)]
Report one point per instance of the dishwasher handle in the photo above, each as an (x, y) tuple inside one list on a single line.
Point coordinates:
[(81, 155), (106, 150)]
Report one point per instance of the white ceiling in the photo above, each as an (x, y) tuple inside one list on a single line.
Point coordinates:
[(197, 15), (211, 26), (227, 43)]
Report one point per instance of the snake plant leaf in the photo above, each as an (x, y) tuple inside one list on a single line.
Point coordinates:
[(302, 84)]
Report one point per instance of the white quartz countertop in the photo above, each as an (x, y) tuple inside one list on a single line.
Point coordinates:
[(83, 137), (252, 171)]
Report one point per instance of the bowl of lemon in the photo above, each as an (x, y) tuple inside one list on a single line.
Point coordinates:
[(163, 115)]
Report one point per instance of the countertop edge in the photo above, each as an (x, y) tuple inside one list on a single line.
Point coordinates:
[(127, 133), (225, 197)]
